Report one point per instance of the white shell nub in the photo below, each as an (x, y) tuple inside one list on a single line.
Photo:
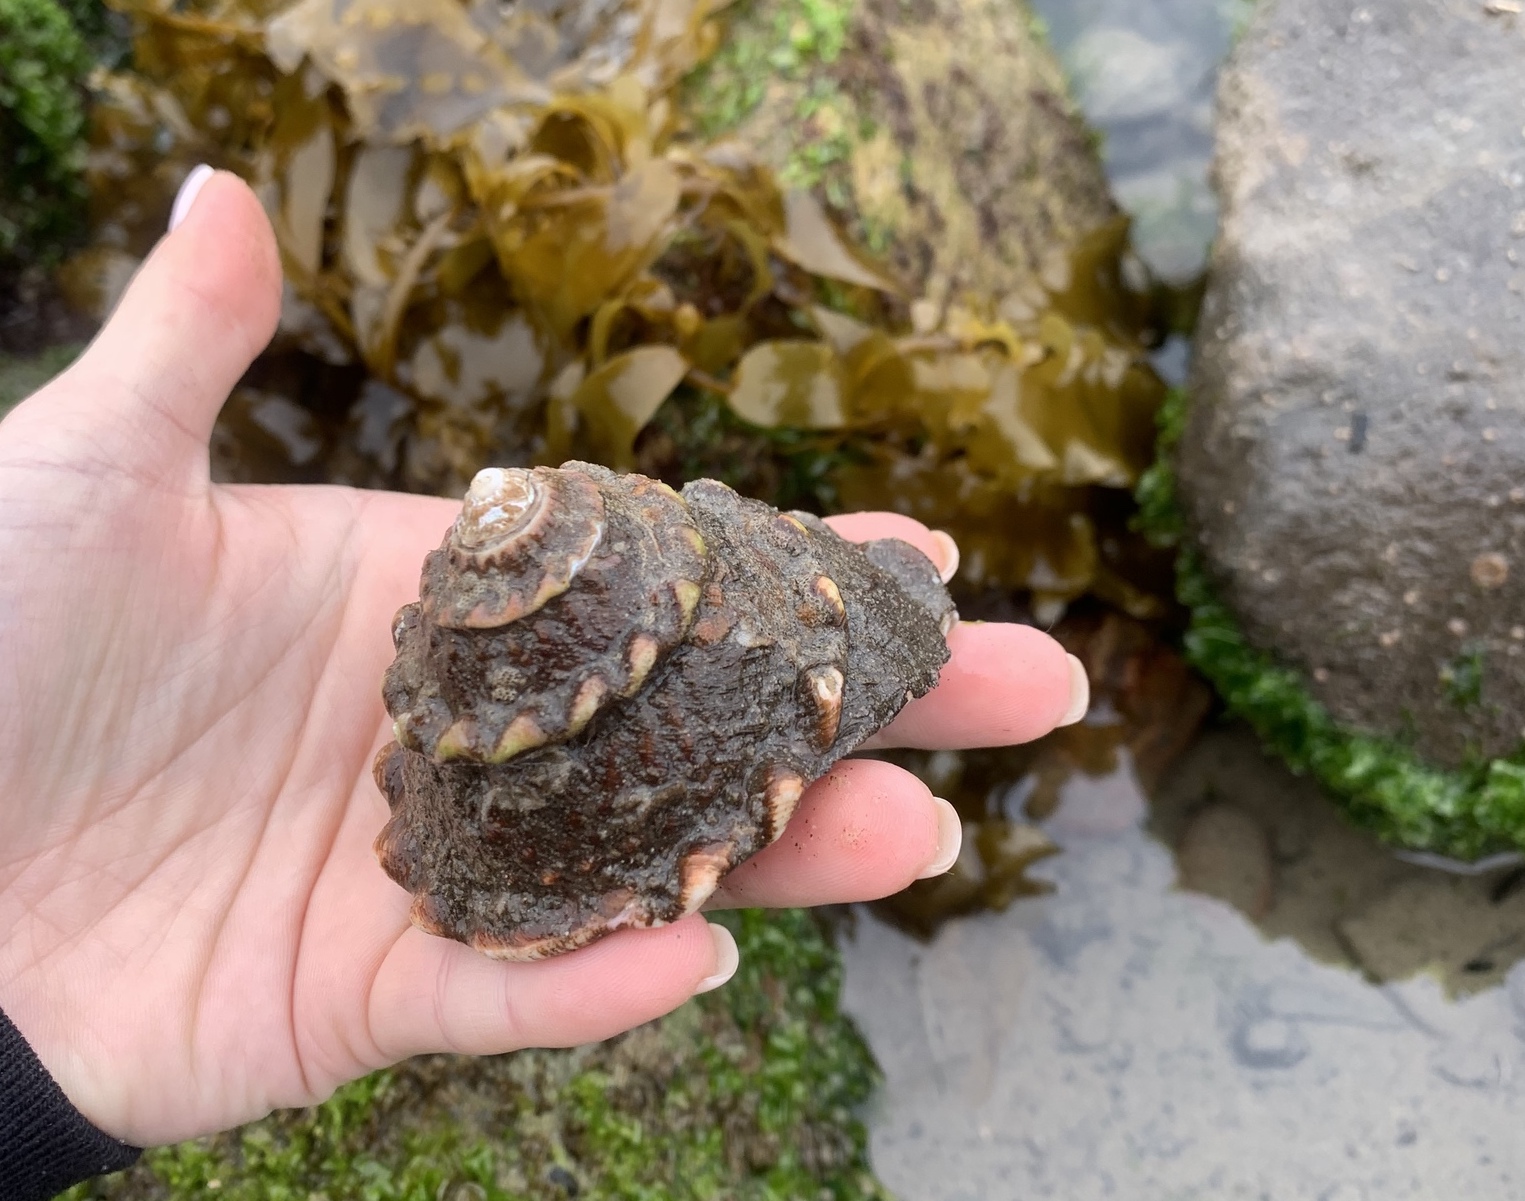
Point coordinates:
[(701, 872), (500, 502), (522, 537), (825, 685), (783, 798)]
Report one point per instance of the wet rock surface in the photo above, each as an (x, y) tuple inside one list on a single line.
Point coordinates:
[(1351, 463), (1125, 1036)]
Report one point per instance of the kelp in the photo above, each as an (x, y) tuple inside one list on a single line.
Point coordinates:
[(500, 215)]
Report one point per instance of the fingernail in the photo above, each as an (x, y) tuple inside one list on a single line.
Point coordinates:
[(187, 194), (950, 554), (727, 959), (950, 838), (1080, 693)]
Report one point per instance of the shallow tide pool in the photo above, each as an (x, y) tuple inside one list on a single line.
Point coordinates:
[(1334, 1025)]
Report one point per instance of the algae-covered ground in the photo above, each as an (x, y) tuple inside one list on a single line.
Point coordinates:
[(748, 1093)]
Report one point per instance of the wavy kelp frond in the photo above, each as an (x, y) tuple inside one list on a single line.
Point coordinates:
[(498, 214), (1384, 786)]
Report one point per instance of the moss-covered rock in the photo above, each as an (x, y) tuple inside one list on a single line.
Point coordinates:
[(941, 130), (1384, 785), (1350, 467), (1350, 511), (941, 135)]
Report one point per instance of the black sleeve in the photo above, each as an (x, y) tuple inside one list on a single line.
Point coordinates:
[(46, 1144)]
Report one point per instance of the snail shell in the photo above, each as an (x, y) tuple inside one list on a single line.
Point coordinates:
[(609, 694)]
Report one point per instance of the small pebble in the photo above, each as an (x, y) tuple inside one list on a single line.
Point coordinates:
[(1225, 853), (1490, 570)]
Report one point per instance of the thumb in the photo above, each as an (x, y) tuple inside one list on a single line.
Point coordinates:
[(200, 308)]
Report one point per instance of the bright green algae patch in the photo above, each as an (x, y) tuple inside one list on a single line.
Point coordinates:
[(798, 41), (1384, 785), (747, 1093)]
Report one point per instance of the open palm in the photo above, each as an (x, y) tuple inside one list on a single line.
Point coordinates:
[(193, 927)]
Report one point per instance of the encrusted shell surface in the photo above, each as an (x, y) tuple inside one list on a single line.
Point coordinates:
[(609, 694)]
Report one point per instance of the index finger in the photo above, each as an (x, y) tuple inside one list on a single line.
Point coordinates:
[(866, 527), (1004, 684)]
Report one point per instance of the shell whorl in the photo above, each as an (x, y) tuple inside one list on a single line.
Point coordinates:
[(555, 593), (520, 541), (500, 503)]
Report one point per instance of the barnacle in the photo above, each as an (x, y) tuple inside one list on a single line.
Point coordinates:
[(608, 694)]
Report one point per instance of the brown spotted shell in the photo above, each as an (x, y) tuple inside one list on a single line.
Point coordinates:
[(609, 694)]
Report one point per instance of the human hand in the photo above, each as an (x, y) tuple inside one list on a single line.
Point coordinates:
[(193, 927)]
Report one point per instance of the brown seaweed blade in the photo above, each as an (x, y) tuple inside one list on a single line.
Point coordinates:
[(610, 694), (500, 215)]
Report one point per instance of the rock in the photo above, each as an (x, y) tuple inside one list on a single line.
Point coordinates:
[(943, 129), (1351, 465), (1226, 853), (1464, 930)]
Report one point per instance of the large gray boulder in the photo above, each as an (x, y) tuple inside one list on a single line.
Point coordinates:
[(1354, 464)]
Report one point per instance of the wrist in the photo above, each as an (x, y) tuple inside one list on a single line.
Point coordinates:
[(46, 1144), (45, 1019)]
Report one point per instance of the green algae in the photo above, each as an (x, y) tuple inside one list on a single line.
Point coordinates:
[(795, 42), (44, 59), (1383, 784), (749, 1093)]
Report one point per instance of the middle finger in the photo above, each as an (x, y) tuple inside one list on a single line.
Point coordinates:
[(864, 830)]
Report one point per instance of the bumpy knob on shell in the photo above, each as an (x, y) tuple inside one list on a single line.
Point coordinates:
[(609, 695)]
